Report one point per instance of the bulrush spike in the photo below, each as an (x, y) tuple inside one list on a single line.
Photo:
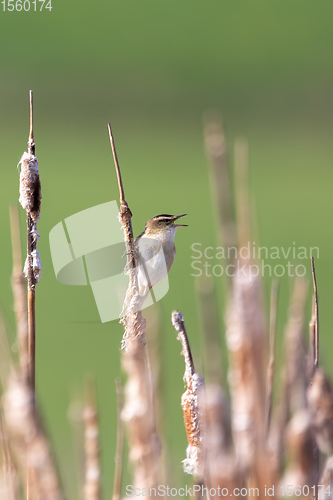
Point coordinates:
[(30, 199), (138, 411), (190, 402)]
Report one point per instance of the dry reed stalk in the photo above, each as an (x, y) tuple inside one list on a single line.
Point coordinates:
[(312, 334), (120, 444), (295, 349), (316, 364), (316, 315), (30, 199), (28, 440), (219, 176), (246, 331), (193, 464), (246, 342), (138, 411), (303, 466), (219, 456), (294, 380), (19, 293), (271, 362), (92, 486), (246, 345)]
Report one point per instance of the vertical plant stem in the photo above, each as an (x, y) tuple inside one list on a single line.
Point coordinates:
[(19, 293), (125, 212), (271, 363), (138, 411), (31, 296), (312, 328), (32, 337), (316, 325), (30, 199), (191, 402), (31, 284), (315, 364)]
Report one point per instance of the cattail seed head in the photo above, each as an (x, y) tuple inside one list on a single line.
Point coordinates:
[(191, 402), (30, 188)]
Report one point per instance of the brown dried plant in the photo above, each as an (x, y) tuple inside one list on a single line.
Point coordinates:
[(193, 464), (138, 411), (30, 199)]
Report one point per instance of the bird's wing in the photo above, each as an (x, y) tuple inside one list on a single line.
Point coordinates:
[(147, 248)]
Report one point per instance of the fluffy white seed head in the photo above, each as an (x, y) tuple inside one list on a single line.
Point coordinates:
[(30, 191)]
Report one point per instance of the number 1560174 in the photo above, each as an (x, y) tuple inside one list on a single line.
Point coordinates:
[(26, 5)]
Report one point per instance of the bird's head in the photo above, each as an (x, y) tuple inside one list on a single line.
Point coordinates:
[(163, 222)]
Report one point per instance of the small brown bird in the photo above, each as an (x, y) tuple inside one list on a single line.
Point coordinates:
[(156, 250)]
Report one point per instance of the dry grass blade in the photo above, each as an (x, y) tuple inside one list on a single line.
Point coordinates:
[(315, 360), (316, 315), (312, 335), (117, 167), (295, 349)]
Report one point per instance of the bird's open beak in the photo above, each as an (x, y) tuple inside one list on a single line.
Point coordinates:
[(178, 217)]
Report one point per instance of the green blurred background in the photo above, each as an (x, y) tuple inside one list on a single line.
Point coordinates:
[(152, 69)]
